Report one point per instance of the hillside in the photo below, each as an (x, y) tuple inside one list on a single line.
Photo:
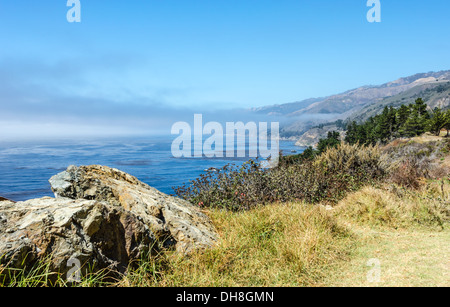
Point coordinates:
[(355, 99), (287, 108), (312, 136), (435, 94)]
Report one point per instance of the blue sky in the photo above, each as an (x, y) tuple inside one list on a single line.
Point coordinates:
[(149, 56)]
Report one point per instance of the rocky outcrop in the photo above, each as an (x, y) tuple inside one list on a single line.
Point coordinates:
[(103, 218), (96, 234), (172, 219), (313, 135)]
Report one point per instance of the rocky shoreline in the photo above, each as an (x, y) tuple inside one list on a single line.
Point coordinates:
[(103, 218)]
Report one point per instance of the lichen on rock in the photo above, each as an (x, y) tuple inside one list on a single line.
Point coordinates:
[(102, 217)]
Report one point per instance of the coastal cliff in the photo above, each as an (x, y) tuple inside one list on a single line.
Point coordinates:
[(312, 136)]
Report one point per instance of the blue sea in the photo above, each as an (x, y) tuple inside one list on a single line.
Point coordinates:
[(26, 166)]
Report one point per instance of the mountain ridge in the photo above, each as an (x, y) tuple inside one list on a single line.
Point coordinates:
[(302, 115), (364, 95)]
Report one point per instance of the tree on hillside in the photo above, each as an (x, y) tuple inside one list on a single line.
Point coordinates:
[(413, 126), (406, 121), (352, 136), (385, 124), (437, 121), (333, 140), (417, 120), (403, 114), (363, 134), (421, 108), (309, 153), (447, 122), (370, 130)]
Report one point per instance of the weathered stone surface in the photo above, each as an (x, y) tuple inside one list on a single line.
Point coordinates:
[(95, 233), (101, 217), (172, 220)]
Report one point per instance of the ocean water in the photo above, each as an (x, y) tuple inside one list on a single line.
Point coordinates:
[(26, 166)]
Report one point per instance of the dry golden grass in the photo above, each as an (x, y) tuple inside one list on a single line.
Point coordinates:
[(396, 207), (408, 258), (303, 245), (406, 231), (276, 245)]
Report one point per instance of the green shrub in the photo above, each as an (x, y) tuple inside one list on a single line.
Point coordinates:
[(327, 178)]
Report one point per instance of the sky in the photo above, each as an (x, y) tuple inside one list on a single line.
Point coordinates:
[(143, 64)]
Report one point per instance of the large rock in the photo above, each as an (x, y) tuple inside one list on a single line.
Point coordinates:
[(102, 218), (173, 221), (96, 234)]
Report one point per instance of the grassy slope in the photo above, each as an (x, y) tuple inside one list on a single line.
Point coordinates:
[(304, 245), (276, 245), (408, 258), (409, 235)]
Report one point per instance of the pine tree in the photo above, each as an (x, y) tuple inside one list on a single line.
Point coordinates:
[(332, 140), (370, 131), (437, 121), (352, 136), (309, 153), (408, 121), (447, 122), (386, 124), (417, 120), (402, 116), (392, 119), (421, 108), (413, 125), (381, 125)]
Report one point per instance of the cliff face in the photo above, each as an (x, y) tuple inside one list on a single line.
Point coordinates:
[(312, 136)]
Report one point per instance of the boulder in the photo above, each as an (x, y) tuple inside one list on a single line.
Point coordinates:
[(96, 234), (175, 222), (101, 217)]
